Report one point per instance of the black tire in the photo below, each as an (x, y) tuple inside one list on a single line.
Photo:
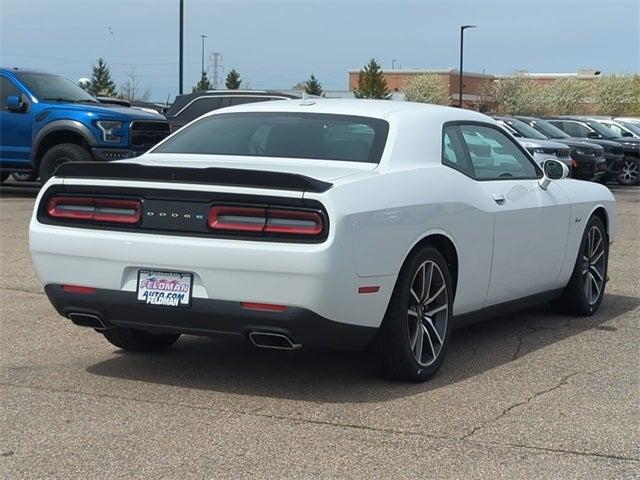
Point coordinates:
[(393, 341), (139, 340), (3, 176), (24, 176), (629, 173), (575, 299), (59, 154)]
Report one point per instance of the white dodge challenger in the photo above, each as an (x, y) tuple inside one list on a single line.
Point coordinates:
[(332, 223)]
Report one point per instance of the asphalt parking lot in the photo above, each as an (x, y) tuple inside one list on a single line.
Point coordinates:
[(535, 394)]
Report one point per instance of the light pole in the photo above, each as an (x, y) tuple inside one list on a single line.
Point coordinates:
[(393, 64), (462, 29), (181, 45), (203, 37)]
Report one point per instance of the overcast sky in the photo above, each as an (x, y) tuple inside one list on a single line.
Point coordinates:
[(277, 44)]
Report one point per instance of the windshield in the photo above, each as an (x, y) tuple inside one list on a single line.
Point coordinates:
[(632, 127), (54, 88), (524, 129), (551, 131), (284, 135), (606, 132)]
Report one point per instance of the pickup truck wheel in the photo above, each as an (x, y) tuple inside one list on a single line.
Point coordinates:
[(3, 176), (25, 176), (629, 172), (59, 154), (140, 341)]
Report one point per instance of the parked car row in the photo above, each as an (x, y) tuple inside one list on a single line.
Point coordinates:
[(598, 152), (47, 120)]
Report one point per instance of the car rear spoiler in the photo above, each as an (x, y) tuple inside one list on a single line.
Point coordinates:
[(210, 176)]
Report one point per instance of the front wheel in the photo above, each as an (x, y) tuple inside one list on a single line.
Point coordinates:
[(629, 172), (585, 291), (139, 340), (414, 335), (59, 154), (25, 176)]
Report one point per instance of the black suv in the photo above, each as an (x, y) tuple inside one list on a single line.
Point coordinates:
[(624, 169), (192, 105), (587, 158)]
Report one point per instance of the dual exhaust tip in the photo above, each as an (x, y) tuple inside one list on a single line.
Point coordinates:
[(272, 340)]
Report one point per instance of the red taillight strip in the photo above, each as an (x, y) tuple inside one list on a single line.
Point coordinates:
[(108, 210), (265, 220), (270, 307), (78, 289), (369, 289)]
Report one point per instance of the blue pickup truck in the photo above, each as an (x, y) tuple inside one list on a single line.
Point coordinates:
[(46, 120)]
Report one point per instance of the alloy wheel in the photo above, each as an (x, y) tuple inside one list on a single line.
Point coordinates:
[(593, 266), (428, 313), (629, 173)]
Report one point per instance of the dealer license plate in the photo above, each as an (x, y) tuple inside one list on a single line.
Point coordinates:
[(166, 289)]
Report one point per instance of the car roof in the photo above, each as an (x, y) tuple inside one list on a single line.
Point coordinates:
[(359, 107), (25, 70)]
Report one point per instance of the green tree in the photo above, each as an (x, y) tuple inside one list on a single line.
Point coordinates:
[(233, 80), (518, 95), (615, 94), (565, 96), (101, 83), (313, 86), (203, 84), (427, 88), (371, 82)]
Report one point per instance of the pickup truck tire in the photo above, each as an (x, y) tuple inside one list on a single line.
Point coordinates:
[(59, 154), (3, 176)]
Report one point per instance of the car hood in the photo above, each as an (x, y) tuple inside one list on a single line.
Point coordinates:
[(534, 142), (111, 111), (598, 141), (325, 170), (572, 142)]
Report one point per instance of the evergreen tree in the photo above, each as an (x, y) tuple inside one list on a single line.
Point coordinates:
[(233, 80), (313, 86), (203, 84), (371, 83), (101, 83)]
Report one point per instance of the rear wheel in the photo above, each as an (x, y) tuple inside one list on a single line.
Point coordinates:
[(629, 172), (415, 332), (585, 290), (139, 340), (59, 154)]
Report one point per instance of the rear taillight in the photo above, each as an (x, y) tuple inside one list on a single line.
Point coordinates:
[(95, 209), (266, 220)]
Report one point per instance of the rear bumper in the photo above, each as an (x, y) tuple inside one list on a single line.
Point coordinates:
[(207, 317)]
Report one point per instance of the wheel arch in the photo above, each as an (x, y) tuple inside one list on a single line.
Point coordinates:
[(446, 246), (57, 132), (601, 212)]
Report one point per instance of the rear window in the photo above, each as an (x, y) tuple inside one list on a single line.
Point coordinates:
[(282, 134)]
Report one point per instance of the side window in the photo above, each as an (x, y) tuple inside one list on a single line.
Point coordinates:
[(576, 129), (494, 155), (7, 88), (453, 154), (618, 130), (201, 106)]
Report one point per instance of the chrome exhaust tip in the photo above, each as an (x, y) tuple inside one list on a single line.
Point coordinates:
[(276, 341), (87, 320)]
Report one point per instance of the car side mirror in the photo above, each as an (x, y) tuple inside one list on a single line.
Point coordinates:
[(15, 104), (627, 134), (593, 135), (553, 170)]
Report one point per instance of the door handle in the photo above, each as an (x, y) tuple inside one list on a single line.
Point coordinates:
[(499, 198)]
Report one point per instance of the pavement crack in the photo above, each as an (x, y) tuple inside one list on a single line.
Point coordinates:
[(563, 381), (23, 290)]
